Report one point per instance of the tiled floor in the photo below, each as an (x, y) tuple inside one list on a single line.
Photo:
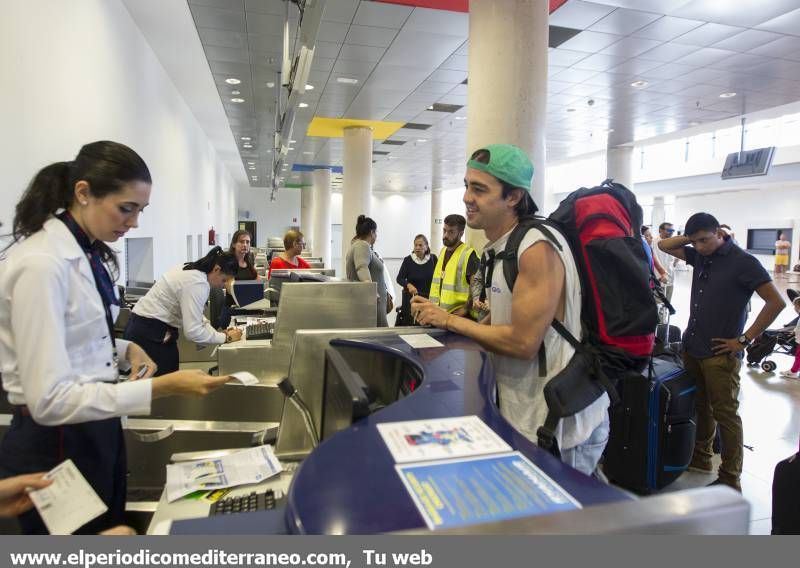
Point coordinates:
[(770, 409)]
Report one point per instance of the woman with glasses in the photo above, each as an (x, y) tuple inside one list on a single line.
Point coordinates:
[(293, 244)]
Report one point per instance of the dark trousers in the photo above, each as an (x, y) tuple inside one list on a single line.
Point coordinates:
[(97, 449), (159, 341)]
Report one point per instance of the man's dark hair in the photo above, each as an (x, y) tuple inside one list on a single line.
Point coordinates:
[(526, 205), (645, 228), (456, 220), (663, 226), (701, 222)]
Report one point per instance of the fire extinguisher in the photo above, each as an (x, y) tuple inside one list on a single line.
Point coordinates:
[(212, 237)]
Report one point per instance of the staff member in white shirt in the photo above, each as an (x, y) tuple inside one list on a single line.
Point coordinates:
[(176, 302), (58, 356)]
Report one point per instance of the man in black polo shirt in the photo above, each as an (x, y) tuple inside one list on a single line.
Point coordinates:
[(724, 278)]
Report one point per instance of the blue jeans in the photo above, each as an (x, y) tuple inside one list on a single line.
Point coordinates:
[(585, 456)]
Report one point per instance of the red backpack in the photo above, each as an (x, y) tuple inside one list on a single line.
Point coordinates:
[(618, 311)]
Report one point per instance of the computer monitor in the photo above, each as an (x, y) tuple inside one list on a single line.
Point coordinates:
[(246, 292), (281, 276), (345, 395)]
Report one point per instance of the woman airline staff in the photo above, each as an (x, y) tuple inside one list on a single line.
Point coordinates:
[(176, 302), (240, 248), (57, 306)]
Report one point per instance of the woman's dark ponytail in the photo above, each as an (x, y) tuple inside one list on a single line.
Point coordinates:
[(48, 192), (106, 166), (227, 262)]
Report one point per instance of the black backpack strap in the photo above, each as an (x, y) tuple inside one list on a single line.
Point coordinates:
[(546, 435), (509, 256), (599, 373)]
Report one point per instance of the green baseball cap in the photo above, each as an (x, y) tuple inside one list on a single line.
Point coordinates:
[(507, 163)]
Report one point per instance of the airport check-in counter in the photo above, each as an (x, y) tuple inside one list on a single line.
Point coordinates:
[(348, 484), (303, 305), (235, 416)]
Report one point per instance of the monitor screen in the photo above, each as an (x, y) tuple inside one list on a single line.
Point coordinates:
[(345, 395), (246, 292)]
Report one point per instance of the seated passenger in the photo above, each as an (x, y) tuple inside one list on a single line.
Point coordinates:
[(293, 244), (498, 185)]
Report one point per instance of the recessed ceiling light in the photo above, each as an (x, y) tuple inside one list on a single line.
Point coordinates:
[(237, 100), (421, 140), (254, 178), (346, 80), (232, 81), (308, 153), (236, 92), (430, 107), (570, 110), (246, 138), (270, 84), (251, 168), (309, 87), (303, 105), (247, 145), (639, 84), (727, 95), (461, 118), (251, 163), (292, 141)]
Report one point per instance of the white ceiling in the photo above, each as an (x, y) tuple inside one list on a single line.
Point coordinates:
[(687, 52)]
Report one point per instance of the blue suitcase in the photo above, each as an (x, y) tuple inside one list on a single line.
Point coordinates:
[(652, 428)]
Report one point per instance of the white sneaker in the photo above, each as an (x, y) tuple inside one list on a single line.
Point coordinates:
[(789, 375)]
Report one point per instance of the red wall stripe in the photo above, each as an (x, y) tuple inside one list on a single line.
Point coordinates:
[(454, 5)]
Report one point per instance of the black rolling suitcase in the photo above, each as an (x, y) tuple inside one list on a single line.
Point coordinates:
[(786, 496), (652, 428)]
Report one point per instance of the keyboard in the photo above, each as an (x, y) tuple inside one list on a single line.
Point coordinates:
[(244, 503), (260, 331)]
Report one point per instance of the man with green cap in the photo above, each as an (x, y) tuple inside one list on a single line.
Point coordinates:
[(497, 193)]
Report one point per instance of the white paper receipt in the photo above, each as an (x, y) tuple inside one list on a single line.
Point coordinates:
[(69, 503), (245, 378), (421, 340)]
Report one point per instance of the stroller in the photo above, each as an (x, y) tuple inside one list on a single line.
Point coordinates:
[(773, 341)]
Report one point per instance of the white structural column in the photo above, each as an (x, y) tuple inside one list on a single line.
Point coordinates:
[(437, 206), (356, 183), (619, 165), (322, 215), (659, 213), (437, 220), (306, 208), (507, 87)]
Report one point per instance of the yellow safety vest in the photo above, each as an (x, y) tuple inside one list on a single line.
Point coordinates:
[(451, 289)]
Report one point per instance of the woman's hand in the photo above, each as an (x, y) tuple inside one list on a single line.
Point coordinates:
[(14, 499), (138, 359), (233, 334), (187, 383), (411, 289)]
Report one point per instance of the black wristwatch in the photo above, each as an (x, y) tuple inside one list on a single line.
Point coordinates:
[(743, 339)]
